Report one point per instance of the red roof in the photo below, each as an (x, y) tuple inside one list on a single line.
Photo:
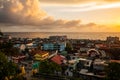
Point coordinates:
[(57, 59)]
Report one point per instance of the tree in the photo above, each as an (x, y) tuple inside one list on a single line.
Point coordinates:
[(7, 69), (1, 33), (68, 47), (10, 69), (113, 71), (8, 49), (114, 53), (3, 62), (48, 67)]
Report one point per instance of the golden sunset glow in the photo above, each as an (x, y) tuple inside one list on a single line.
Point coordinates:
[(60, 15)]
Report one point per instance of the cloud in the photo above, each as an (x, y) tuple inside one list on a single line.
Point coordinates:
[(27, 12), (75, 1), (20, 11), (90, 7), (27, 15), (112, 0), (64, 1)]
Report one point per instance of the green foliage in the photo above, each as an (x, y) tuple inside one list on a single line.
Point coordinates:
[(114, 53), (75, 78), (1, 33), (48, 67), (68, 47), (113, 71), (3, 62), (8, 49), (18, 77), (7, 69), (10, 69)]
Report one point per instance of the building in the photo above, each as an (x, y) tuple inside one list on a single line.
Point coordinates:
[(58, 59), (17, 59), (112, 39), (60, 38), (99, 65), (100, 46), (54, 46), (4, 38), (41, 55)]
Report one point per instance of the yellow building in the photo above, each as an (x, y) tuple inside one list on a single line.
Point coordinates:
[(41, 55)]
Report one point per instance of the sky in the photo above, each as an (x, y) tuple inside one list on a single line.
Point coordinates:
[(60, 15)]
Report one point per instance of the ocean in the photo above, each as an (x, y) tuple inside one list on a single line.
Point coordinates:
[(70, 35)]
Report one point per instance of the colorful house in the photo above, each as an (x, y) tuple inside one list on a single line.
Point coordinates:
[(54, 46), (58, 59), (41, 55)]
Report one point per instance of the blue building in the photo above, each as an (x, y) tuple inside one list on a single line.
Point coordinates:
[(54, 46)]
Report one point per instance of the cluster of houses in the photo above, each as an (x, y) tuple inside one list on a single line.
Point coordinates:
[(86, 56)]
